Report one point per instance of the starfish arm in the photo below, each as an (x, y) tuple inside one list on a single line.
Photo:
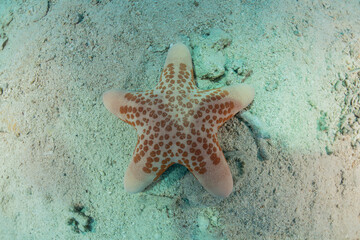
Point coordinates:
[(223, 103), (148, 163), (115, 101), (202, 155), (210, 169), (136, 180), (179, 53), (178, 71), (241, 94), (131, 107)]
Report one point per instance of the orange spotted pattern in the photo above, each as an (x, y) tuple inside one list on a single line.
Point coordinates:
[(176, 122)]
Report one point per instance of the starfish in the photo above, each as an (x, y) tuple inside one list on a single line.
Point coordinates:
[(177, 123)]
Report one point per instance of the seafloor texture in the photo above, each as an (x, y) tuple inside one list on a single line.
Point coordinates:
[(294, 154)]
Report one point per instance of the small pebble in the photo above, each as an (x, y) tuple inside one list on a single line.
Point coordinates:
[(157, 235), (214, 221), (337, 85), (329, 150), (203, 223)]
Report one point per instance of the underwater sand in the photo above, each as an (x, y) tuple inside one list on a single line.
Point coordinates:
[(294, 154)]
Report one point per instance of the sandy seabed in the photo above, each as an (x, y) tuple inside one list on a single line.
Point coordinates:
[(294, 155)]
